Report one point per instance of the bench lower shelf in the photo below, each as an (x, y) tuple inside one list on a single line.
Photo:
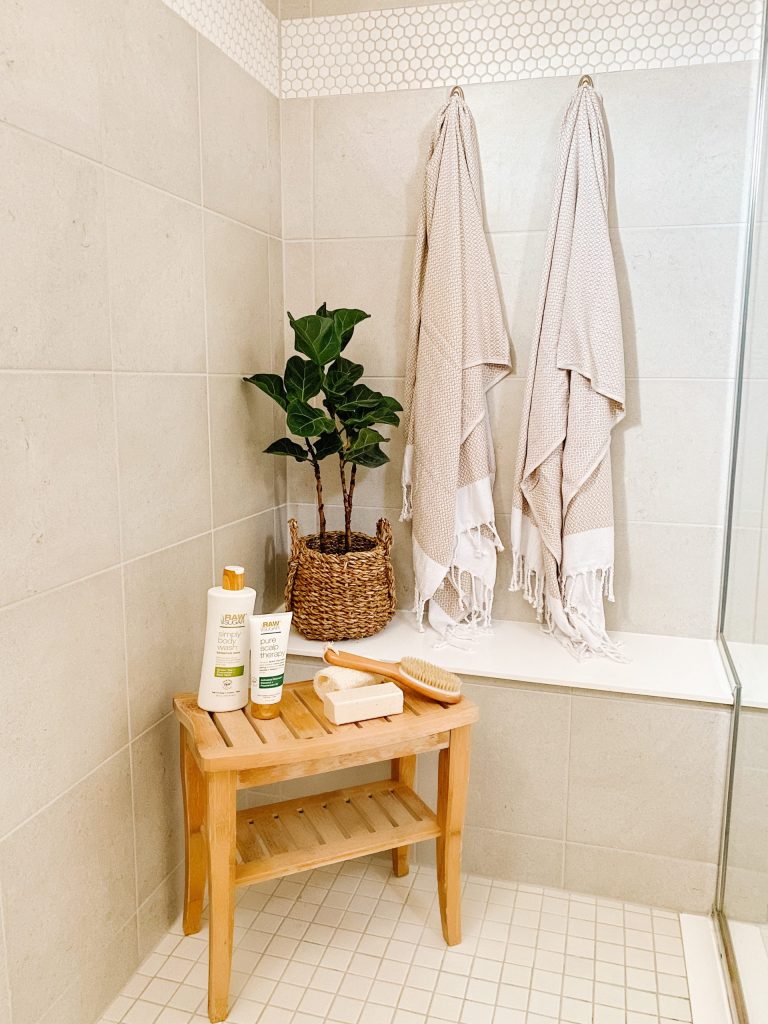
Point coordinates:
[(281, 839)]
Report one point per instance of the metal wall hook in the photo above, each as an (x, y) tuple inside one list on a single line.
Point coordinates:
[(586, 80), (457, 91)]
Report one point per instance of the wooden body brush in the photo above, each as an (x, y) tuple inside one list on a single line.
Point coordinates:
[(413, 673)]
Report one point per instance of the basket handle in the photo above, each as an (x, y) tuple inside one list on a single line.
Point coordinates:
[(384, 537), (293, 564)]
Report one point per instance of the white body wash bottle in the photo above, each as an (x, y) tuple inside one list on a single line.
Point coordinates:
[(224, 678)]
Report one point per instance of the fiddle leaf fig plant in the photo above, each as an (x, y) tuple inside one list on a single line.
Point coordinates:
[(327, 408)]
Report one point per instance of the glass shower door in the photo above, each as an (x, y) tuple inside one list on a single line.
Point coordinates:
[(743, 898)]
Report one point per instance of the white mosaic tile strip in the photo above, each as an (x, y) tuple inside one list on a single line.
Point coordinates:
[(487, 41), (243, 29)]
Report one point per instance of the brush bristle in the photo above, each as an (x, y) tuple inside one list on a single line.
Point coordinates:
[(431, 675)]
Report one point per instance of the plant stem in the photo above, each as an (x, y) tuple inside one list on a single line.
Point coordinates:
[(319, 488), (348, 507), (345, 497)]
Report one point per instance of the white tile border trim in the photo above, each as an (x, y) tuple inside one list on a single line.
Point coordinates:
[(706, 982), (504, 40), (675, 668), (245, 30), (470, 42)]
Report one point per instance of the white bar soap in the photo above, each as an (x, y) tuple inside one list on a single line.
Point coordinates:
[(362, 702)]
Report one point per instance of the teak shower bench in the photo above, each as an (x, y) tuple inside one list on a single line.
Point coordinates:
[(221, 753)]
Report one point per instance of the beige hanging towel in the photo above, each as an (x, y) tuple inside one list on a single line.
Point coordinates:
[(458, 349), (562, 516)]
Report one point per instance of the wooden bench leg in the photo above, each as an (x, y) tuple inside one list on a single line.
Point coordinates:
[(193, 791), (220, 835), (403, 770), (452, 781)]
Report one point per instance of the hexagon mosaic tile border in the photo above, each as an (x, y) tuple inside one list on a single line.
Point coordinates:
[(473, 41), (499, 40), (245, 30)]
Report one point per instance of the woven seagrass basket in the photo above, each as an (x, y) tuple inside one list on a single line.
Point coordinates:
[(336, 596)]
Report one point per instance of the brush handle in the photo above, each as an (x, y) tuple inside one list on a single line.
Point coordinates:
[(390, 669), (344, 659)]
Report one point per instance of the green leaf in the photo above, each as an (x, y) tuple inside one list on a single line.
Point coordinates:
[(340, 377), (303, 379), (360, 397), (306, 421), (386, 415), (370, 458), (344, 323), (327, 444), (323, 310), (364, 442), (386, 411), (285, 446), (316, 338), (271, 385)]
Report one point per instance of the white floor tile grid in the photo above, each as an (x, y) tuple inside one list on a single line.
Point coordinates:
[(350, 943)]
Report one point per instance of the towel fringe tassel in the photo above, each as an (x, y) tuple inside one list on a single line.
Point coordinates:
[(599, 581), (406, 512)]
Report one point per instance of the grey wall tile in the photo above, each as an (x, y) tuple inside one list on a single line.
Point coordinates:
[(71, 641), (58, 458), (165, 613), (149, 96), (158, 806), (162, 426), (155, 280), (54, 311), (87, 875), (625, 754)]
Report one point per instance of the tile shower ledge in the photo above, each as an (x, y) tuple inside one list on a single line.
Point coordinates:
[(676, 668)]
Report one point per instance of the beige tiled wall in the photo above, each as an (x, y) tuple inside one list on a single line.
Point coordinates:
[(565, 791), (746, 617), (746, 888), (142, 270), (679, 140)]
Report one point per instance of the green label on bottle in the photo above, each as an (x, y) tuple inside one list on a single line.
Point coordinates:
[(270, 682), (222, 672)]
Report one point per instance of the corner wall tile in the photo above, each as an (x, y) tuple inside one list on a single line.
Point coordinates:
[(241, 428), (251, 543), (97, 980), (237, 285), (233, 115), (526, 859), (87, 874), (297, 130), (164, 460), (158, 911), (158, 806), (374, 275), (165, 614)]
